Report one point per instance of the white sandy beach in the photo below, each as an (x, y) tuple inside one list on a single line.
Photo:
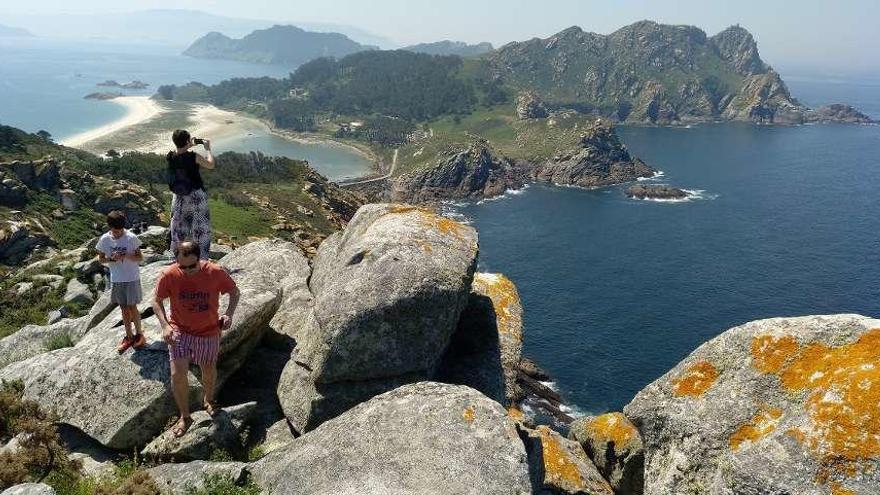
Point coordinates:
[(137, 109)]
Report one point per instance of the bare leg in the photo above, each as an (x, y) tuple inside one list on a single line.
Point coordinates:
[(180, 385), (126, 319), (136, 319), (209, 378)]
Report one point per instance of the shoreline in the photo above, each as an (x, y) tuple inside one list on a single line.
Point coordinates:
[(138, 109), (218, 124)]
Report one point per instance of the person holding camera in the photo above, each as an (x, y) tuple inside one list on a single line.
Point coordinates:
[(190, 215)]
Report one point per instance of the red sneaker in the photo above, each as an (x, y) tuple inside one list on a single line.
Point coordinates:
[(124, 345), (139, 341)]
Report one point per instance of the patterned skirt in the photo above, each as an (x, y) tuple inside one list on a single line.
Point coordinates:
[(191, 221)]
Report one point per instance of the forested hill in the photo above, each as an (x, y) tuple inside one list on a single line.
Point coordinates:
[(447, 47), (288, 45), (643, 73)]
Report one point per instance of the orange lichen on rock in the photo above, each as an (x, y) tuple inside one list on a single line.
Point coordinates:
[(468, 414), (838, 489), (505, 300), (843, 392), (559, 469), (763, 424), (401, 208), (515, 414), (694, 382), (612, 427), (769, 354), (798, 435)]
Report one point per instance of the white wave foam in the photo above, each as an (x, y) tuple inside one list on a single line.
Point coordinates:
[(657, 175), (507, 194)]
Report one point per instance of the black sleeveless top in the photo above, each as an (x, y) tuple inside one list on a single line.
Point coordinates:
[(187, 164)]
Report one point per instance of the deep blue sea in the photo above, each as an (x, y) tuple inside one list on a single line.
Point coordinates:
[(617, 291), (43, 81)]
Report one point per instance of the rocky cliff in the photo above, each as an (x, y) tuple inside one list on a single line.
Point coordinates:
[(597, 159), (387, 365), (653, 73)]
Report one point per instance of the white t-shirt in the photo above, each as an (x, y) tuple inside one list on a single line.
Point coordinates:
[(128, 243)]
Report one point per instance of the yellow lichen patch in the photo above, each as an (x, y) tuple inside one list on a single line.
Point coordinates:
[(844, 393), (838, 489), (694, 382), (505, 300), (798, 435), (515, 414), (468, 414), (763, 424), (612, 427), (559, 469), (400, 208), (769, 354)]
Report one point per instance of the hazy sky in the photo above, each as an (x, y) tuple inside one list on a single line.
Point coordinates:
[(802, 33)]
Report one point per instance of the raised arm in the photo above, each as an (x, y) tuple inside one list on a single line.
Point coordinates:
[(206, 162)]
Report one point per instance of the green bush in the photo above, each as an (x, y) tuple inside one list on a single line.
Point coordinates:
[(224, 485), (59, 341)]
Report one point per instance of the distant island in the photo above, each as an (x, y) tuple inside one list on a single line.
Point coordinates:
[(102, 96), (444, 126), (276, 45), (447, 47), (110, 83), (14, 32)]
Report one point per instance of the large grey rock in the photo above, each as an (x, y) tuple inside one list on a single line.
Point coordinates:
[(178, 479), (29, 489), (278, 436), (560, 466), (784, 405), (296, 301), (388, 292), (124, 401), (78, 293), (33, 339), (486, 348), (614, 445), (85, 269), (206, 435), (425, 438)]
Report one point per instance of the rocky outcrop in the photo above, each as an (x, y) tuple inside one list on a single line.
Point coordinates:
[(188, 477), (651, 73), (473, 173), (103, 394), (785, 405), (19, 238), (560, 466), (614, 445), (29, 489), (530, 106), (600, 159), (838, 113), (207, 434), (425, 438), (655, 192), (486, 349), (388, 292)]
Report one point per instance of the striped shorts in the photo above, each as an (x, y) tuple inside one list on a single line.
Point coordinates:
[(199, 350)]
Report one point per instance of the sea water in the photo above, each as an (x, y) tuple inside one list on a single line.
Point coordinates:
[(617, 291), (43, 82)]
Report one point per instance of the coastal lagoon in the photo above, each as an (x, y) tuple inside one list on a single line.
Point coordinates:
[(617, 291), (43, 82)]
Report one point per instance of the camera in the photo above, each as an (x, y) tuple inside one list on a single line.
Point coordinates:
[(198, 141)]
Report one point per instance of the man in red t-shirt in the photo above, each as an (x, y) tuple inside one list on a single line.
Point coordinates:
[(193, 331)]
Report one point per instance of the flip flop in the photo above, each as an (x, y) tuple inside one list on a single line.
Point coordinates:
[(181, 429)]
